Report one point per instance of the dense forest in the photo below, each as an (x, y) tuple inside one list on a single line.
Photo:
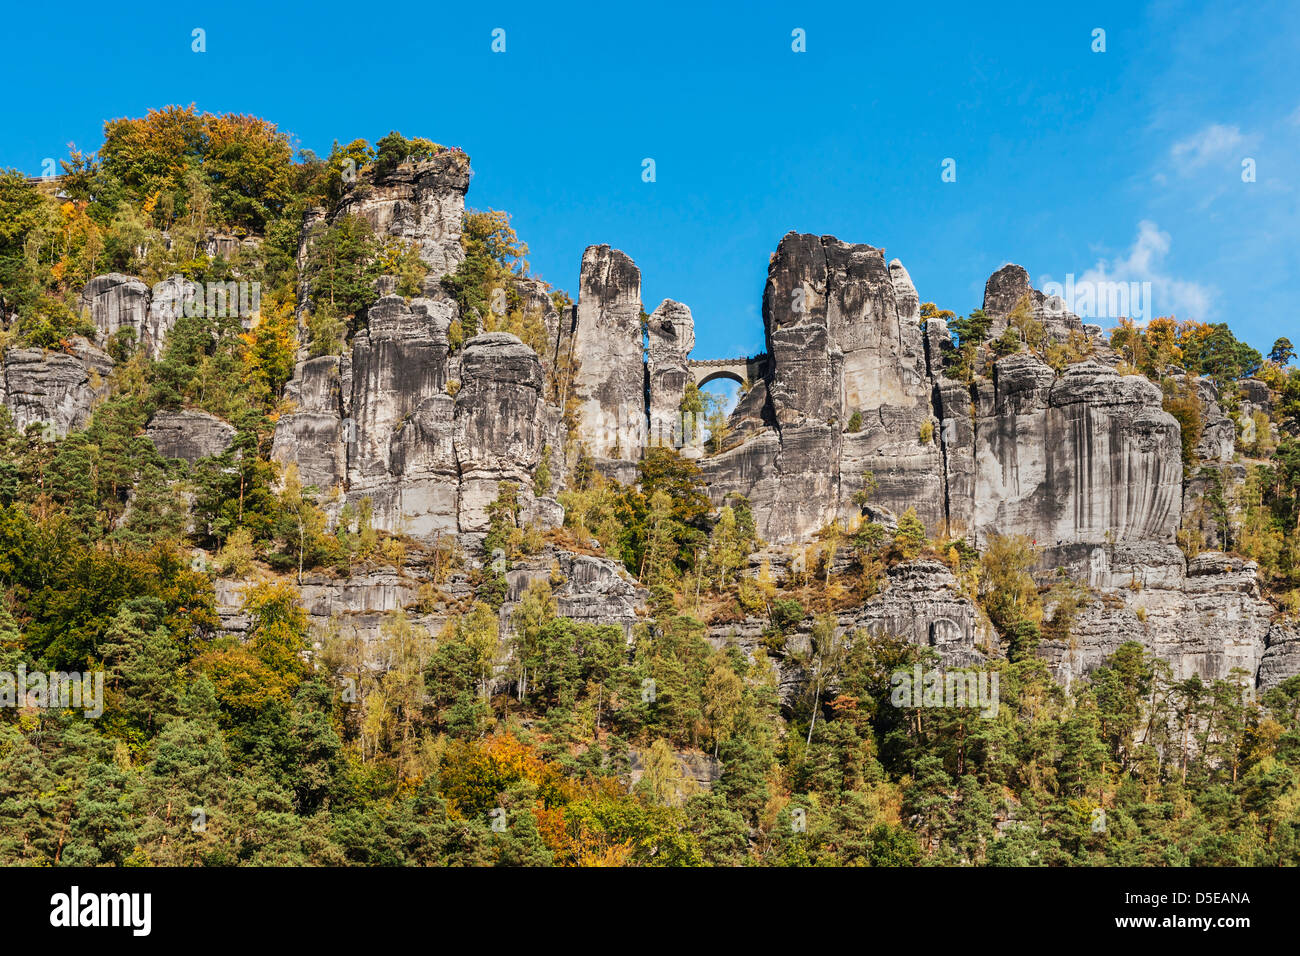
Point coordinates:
[(537, 743)]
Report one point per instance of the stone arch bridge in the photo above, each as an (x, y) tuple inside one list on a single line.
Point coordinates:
[(739, 370)]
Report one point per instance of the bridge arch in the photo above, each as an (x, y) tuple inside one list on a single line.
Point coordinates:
[(703, 376), (739, 370)]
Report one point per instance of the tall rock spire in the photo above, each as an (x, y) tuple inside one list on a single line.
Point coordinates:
[(608, 343)]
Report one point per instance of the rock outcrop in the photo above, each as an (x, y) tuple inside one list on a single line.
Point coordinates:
[(381, 424), (1281, 658), (425, 434), (420, 202), (1088, 457), (921, 603), (1084, 462), (123, 305), (610, 381), (857, 413), (115, 303), (848, 393), (1204, 617), (189, 435), (670, 337), (56, 390), (1009, 288)]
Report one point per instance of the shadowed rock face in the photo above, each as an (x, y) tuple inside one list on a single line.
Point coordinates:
[(189, 435), (607, 339)]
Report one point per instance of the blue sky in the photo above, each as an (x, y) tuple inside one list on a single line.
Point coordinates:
[(1123, 165)]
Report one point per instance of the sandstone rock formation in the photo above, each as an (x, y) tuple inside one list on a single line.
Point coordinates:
[(116, 302), (1203, 616), (56, 390), (189, 435), (1281, 657), (848, 393), (421, 202), (611, 378), (1010, 287), (119, 304), (921, 603), (671, 336), (1088, 458), (1083, 461), (430, 462)]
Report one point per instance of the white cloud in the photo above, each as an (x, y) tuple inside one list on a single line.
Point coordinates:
[(1144, 262), (1214, 142)]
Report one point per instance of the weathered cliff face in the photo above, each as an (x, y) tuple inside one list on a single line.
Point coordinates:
[(1010, 287), (119, 303), (1281, 658), (116, 302), (610, 381), (422, 203), (1089, 457), (312, 435), (593, 590), (848, 393), (397, 425), (922, 603), (56, 390), (189, 435), (380, 424), (670, 338), (426, 435), (1204, 617), (1085, 463), (503, 426)]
